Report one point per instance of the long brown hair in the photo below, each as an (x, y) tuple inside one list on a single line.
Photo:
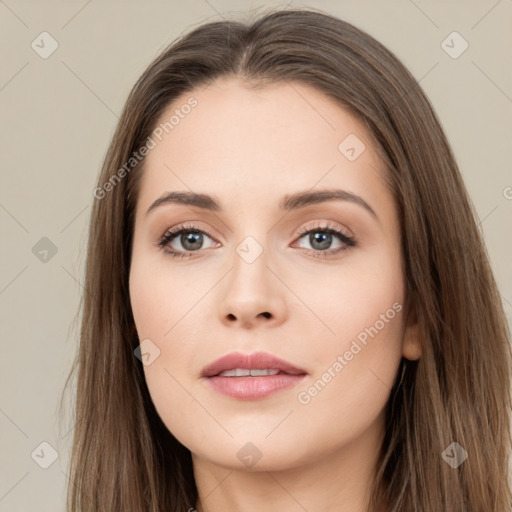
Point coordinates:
[(124, 458)]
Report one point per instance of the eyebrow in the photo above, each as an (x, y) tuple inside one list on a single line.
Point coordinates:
[(288, 203)]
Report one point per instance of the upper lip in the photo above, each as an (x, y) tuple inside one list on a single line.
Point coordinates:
[(256, 361)]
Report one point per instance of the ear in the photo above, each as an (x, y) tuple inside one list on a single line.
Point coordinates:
[(411, 346)]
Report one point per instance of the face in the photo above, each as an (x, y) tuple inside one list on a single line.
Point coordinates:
[(317, 283)]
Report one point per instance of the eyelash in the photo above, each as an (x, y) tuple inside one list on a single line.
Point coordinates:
[(170, 235)]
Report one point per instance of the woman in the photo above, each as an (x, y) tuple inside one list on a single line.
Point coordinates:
[(288, 304)]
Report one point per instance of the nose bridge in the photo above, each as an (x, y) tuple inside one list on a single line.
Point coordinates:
[(249, 276), (253, 239)]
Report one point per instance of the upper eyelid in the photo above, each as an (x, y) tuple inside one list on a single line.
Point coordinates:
[(325, 224)]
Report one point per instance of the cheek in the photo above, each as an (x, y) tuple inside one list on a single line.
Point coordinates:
[(158, 297), (365, 289), (166, 308), (159, 305), (355, 370), (163, 310), (362, 306)]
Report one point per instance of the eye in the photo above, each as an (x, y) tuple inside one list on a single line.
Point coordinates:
[(190, 237), (321, 238)]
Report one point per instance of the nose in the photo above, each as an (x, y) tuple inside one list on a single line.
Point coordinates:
[(252, 295)]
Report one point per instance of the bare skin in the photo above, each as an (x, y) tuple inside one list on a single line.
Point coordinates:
[(315, 450)]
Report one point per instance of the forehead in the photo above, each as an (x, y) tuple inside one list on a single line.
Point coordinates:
[(253, 145)]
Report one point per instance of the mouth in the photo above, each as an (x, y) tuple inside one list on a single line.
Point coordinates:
[(251, 376), (246, 372)]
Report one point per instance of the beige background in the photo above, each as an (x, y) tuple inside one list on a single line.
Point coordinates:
[(59, 113)]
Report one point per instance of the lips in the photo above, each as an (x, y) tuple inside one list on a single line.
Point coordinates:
[(256, 361), (251, 377)]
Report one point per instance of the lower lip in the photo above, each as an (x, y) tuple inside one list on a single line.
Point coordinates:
[(252, 388)]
